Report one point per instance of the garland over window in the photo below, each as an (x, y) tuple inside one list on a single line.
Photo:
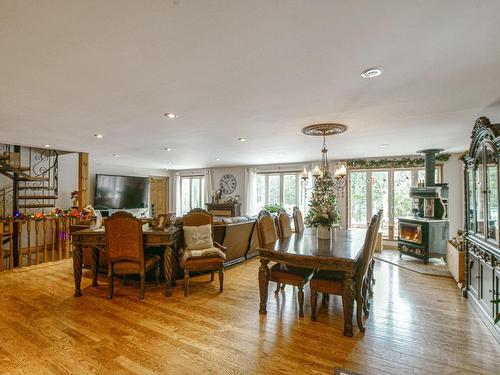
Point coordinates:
[(392, 163)]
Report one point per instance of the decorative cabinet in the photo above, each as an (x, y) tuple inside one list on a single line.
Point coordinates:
[(224, 209), (481, 219)]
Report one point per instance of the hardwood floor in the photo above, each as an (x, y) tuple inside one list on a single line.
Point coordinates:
[(413, 328)]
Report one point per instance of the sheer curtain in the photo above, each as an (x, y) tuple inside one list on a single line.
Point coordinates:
[(250, 202), (176, 207), (208, 187)]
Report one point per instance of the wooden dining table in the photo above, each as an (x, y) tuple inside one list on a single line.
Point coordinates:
[(169, 239), (342, 253)]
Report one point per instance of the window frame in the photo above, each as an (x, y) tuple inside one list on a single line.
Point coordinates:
[(392, 230), (201, 193), (298, 186)]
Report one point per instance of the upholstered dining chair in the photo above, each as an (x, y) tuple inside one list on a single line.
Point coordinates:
[(280, 273), (125, 250), (298, 220), (201, 252), (331, 282), (284, 224)]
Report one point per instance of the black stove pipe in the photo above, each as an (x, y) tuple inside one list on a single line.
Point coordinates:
[(430, 165)]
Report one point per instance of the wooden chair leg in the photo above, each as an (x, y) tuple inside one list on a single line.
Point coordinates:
[(157, 275), (221, 279), (277, 289), (211, 275), (366, 304), (314, 302), (186, 282), (110, 281), (300, 296), (325, 298), (143, 285), (359, 311)]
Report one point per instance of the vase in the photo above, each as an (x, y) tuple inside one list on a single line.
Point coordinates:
[(323, 232)]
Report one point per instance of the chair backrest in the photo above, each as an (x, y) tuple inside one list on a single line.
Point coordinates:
[(124, 238), (266, 230), (284, 224), (298, 220), (368, 246)]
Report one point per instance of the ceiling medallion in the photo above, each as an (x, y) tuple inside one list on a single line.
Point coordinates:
[(324, 130)]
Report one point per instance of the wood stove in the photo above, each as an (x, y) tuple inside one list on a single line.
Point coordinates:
[(425, 234)]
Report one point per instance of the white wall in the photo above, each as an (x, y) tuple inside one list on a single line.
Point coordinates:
[(453, 175)]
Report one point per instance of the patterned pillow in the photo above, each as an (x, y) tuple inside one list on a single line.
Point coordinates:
[(198, 237)]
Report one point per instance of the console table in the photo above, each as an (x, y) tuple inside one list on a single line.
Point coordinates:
[(224, 209)]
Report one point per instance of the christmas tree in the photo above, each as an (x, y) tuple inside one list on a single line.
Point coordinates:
[(323, 204)]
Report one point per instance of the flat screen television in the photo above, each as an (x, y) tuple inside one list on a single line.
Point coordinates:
[(121, 192)]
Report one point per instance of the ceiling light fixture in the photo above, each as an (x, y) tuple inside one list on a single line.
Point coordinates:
[(115, 155), (384, 145), (168, 149), (46, 146), (218, 159), (98, 135), (242, 139), (171, 115), (372, 72)]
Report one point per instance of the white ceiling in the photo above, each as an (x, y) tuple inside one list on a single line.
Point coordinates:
[(256, 69)]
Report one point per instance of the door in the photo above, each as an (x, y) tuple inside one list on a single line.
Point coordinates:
[(159, 195), (486, 287), (473, 274)]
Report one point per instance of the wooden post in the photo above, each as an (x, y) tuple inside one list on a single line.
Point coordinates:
[(53, 235), (28, 229), (19, 243), (37, 250), (11, 244), (83, 180), (44, 226), (2, 264), (60, 229)]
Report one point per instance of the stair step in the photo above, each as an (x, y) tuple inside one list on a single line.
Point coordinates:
[(4, 157), (33, 178), (36, 188), (38, 197), (45, 205)]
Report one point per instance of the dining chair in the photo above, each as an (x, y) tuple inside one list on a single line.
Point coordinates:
[(125, 250), (281, 273), (201, 252), (284, 224), (332, 282), (369, 280), (298, 220)]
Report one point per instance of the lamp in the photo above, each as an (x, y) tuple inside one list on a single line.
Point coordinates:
[(340, 173)]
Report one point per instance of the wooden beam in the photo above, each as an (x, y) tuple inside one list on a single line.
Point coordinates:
[(83, 179)]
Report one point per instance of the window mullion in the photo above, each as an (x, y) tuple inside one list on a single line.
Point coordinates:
[(391, 205), (368, 197)]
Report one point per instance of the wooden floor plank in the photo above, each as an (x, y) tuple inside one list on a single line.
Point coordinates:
[(418, 325)]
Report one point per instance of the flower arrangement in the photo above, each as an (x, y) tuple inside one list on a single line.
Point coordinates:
[(272, 208), (323, 205)]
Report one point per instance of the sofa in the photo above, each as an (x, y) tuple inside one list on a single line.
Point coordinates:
[(239, 235)]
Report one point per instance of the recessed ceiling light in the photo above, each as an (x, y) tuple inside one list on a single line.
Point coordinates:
[(170, 163), (98, 135), (372, 72), (168, 149), (46, 146), (171, 115), (218, 159), (241, 139), (115, 155), (384, 145)]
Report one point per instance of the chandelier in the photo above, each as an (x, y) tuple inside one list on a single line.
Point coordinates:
[(340, 173)]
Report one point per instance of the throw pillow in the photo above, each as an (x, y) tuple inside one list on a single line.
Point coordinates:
[(198, 237)]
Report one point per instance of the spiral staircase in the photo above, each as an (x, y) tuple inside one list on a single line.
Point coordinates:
[(33, 179)]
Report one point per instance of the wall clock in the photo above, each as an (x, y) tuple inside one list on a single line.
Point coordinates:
[(227, 183)]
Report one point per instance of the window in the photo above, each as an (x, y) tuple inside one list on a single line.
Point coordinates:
[(192, 193), (278, 188), (386, 189)]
